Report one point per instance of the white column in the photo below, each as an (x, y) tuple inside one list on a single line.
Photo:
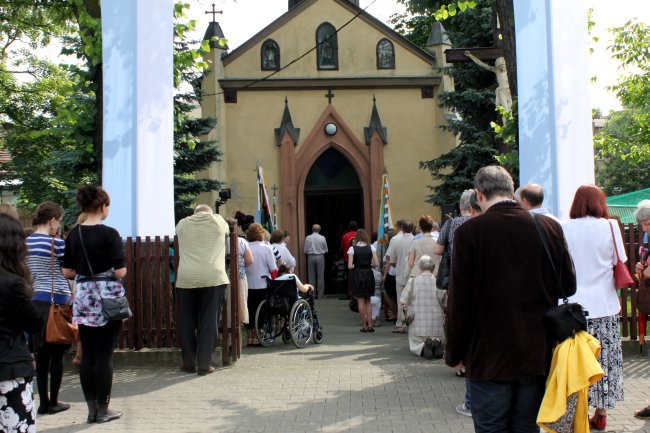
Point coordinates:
[(137, 53), (555, 134)]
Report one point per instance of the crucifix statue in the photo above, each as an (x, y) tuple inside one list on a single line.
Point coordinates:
[(503, 96), (214, 13)]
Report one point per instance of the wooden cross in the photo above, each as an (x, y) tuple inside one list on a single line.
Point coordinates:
[(214, 13), (329, 95), (457, 55)]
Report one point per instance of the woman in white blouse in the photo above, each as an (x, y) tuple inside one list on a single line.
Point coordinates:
[(592, 237)]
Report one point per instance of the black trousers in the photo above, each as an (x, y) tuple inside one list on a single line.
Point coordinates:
[(49, 360), (200, 310), (96, 371)]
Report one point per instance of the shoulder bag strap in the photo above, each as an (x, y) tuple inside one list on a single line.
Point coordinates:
[(614, 240), (81, 241), (542, 236), (52, 264)]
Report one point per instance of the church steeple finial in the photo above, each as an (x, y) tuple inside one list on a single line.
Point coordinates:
[(286, 126), (375, 125)]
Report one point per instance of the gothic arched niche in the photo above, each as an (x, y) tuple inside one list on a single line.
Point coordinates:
[(328, 47), (270, 55), (385, 54)]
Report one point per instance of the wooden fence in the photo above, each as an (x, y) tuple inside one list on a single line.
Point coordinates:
[(151, 295), (633, 239), (150, 263)]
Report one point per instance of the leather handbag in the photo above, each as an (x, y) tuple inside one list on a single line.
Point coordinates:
[(112, 308), (59, 328), (444, 270), (409, 312), (564, 320), (622, 277)]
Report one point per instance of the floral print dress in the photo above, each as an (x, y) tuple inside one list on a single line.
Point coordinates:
[(17, 409)]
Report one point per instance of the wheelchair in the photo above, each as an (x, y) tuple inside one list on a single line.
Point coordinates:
[(285, 313)]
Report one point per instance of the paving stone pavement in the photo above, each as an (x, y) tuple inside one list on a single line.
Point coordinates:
[(352, 382)]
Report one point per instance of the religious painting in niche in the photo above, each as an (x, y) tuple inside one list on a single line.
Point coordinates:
[(270, 55), (328, 48), (385, 55)]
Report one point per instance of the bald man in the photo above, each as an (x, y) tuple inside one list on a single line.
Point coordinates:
[(315, 249), (531, 197)]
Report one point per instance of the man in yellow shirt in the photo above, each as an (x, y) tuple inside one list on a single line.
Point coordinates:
[(201, 285)]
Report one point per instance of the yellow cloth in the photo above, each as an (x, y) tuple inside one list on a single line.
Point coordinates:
[(202, 244), (574, 368)]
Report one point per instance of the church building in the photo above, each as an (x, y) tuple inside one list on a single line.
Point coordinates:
[(326, 99)]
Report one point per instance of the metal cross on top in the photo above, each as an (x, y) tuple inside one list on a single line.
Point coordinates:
[(329, 95), (214, 13)]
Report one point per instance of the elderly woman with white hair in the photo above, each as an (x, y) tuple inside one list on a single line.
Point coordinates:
[(426, 333)]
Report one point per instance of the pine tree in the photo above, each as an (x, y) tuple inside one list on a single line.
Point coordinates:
[(192, 154), (473, 100)]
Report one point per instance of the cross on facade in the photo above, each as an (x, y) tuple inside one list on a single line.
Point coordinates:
[(329, 96), (214, 13)]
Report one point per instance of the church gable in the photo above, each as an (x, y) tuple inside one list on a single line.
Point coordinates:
[(364, 48)]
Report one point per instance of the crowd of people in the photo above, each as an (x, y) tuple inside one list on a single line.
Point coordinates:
[(504, 261), (501, 275)]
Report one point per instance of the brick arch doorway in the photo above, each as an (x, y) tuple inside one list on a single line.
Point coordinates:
[(333, 196)]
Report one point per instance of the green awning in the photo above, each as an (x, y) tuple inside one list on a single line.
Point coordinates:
[(624, 205)]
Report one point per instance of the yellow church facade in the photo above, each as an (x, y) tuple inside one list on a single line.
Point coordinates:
[(326, 99)]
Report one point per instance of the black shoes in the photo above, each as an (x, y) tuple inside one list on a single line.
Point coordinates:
[(427, 352), (202, 372), (108, 416), (188, 369), (438, 350), (53, 408)]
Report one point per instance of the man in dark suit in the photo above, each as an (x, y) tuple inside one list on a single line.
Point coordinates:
[(502, 282)]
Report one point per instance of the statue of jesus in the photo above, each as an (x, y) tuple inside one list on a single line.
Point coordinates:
[(503, 97)]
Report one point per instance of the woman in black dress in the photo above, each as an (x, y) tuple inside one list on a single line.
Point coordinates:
[(361, 259)]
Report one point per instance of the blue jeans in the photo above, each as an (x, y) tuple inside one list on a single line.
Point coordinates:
[(468, 398), (507, 406)]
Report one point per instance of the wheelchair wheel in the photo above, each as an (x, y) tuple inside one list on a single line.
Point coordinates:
[(267, 324), (318, 337), (301, 323)]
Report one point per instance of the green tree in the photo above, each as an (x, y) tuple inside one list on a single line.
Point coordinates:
[(627, 134), (192, 152), (472, 102), (53, 122)]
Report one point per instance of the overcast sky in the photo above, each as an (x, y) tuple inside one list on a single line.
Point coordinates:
[(244, 18)]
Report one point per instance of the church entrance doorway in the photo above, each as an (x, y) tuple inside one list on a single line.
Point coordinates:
[(333, 197)]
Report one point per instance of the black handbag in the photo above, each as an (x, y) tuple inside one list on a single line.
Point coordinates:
[(112, 308), (444, 270), (568, 318)]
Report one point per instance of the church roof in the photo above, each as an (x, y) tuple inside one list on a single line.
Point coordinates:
[(438, 35), (375, 125), (286, 126), (296, 10), (214, 31)]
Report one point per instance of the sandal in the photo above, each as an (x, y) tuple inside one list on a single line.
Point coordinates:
[(371, 329), (364, 329), (598, 422), (460, 373), (399, 330), (643, 413)]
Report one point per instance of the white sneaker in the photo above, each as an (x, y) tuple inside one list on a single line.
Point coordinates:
[(461, 409)]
